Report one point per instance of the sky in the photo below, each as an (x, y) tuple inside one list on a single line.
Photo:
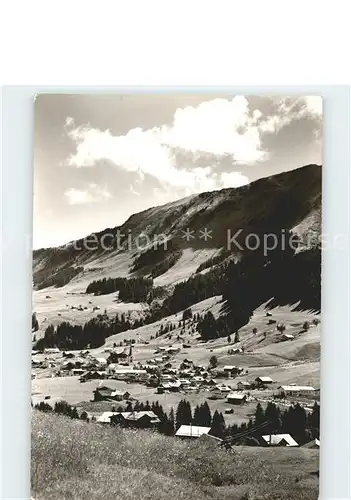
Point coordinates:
[(100, 158)]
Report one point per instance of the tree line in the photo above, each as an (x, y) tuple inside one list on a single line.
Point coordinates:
[(302, 426), (59, 278), (294, 420), (90, 335), (130, 289)]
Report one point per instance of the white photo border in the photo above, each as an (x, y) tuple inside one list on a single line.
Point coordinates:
[(16, 305)]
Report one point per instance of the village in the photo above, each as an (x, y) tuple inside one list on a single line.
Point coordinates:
[(111, 382)]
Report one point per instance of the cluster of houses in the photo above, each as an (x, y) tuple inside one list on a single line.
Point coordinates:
[(131, 419), (160, 373)]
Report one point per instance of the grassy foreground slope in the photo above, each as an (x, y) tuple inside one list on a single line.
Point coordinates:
[(75, 460)]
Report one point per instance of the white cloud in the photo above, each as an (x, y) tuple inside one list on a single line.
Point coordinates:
[(92, 194), (314, 105), (216, 128), (288, 109), (219, 127), (77, 196), (69, 121)]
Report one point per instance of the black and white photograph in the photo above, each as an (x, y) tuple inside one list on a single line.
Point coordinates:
[(176, 312)]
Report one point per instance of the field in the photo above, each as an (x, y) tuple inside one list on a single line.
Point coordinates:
[(75, 460)]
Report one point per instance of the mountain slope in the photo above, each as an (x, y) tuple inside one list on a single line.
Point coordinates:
[(287, 200)]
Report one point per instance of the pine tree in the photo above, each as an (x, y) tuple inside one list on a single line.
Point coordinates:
[(183, 414), (197, 416), (213, 361), (259, 415), (237, 337), (35, 324), (218, 425), (205, 415), (272, 414), (171, 420)]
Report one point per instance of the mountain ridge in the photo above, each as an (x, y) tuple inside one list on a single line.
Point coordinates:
[(283, 200)]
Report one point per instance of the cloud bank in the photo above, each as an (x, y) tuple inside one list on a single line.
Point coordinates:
[(216, 129), (92, 194)]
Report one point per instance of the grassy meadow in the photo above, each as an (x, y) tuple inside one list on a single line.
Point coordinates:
[(74, 460)]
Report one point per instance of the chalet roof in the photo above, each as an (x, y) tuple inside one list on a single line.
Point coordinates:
[(264, 379), (170, 385), (244, 382), (229, 367), (104, 388), (127, 415), (120, 370), (192, 431), (235, 395), (297, 388), (276, 439), (223, 388), (136, 415)]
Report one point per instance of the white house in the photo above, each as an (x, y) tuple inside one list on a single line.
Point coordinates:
[(297, 390)]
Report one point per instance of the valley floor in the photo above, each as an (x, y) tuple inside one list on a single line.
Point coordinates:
[(289, 362)]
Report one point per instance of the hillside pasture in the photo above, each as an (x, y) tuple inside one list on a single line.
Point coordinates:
[(80, 461)]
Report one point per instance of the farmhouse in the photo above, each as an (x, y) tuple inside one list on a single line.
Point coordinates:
[(173, 386), (120, 395), (223, 388), (263, 381), (243, 385), (297, 390), (52, 350), (192, 431), (115, 356), (93, 374), (102, 393), (230, 370), (127, 373), (279, 440), (236, 399), (138, 419)]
